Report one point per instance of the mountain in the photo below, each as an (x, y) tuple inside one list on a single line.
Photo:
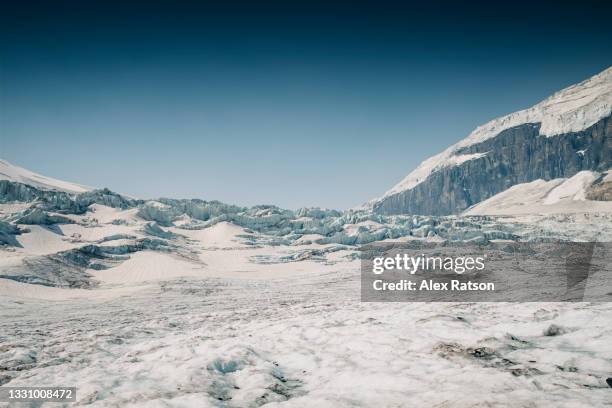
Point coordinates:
[(17, 174), (564, 134), (36, 218)]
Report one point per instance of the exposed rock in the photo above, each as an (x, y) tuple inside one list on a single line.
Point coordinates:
[(600, 191), (516, 155), (555, 330)]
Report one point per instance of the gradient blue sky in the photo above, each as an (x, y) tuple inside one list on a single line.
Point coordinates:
[(302, 105)]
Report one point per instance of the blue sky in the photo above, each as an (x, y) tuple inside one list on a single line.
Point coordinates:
[(312, 105)]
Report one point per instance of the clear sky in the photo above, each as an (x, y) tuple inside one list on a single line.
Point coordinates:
[(301, 105)]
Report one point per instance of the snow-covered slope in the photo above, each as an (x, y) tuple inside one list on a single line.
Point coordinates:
[(573, 188), (545, 197), (570, 110), (18, 174)]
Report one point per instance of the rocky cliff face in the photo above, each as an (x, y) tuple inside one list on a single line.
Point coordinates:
[(519, 154), (562, 135)]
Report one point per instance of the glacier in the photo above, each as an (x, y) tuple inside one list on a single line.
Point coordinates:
[(194, 303)]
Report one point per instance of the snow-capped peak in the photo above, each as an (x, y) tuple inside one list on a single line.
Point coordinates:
[(18, 174), (570, 110)]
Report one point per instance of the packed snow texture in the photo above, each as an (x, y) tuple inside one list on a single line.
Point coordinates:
[(573, 188), (570, 110), (304, 341), (558, 196)]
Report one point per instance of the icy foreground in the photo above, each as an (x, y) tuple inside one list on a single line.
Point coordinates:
[(192, 303), (305, 342), (135, 313)]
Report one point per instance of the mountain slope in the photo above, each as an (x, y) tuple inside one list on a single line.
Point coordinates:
[(566, 133), (571, 195), (18, 174)]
